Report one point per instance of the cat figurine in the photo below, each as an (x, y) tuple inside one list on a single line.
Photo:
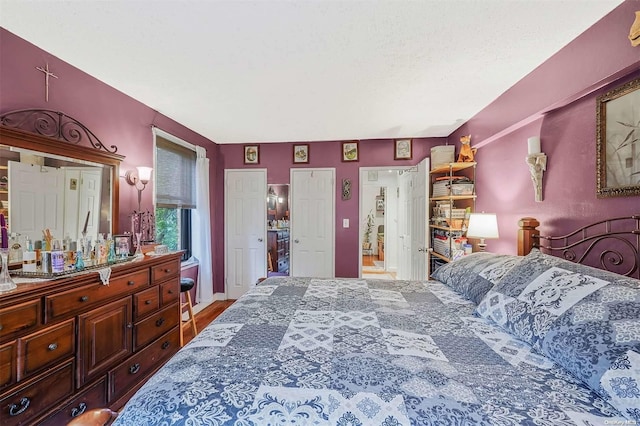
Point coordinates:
[(466, 152)]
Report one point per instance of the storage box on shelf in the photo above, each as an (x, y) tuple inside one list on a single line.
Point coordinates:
[(452, 199)]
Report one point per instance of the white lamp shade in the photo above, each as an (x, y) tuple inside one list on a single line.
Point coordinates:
[(483, 225), (144, 173)]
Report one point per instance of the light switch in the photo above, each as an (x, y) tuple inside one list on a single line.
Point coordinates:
[(345, 223)]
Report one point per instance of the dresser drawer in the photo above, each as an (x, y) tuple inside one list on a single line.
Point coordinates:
[(8, 364), (79, 299), (26, 403), (94, 396), (23, 317), (165, 270), (46, 347), (169, 291), (143, 363), (156, 325), (145, 302)]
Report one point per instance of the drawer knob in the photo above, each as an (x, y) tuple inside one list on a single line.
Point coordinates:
[(167, 270), (52, 346), (165, 345), (131, 282), (76, 411), (84, 298), (134, 368), (1, 327), (129, 325), (159, 322), (170, 292), (147, 302), (15, 409)]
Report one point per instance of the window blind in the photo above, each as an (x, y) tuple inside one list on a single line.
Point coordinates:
[(175, 175)]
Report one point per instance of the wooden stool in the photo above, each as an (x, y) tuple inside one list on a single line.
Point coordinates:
[(187, 284)]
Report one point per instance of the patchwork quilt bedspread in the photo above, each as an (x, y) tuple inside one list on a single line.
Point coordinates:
[(311, 351)]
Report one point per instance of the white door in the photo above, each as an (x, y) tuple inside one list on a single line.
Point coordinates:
[(420, 221), (36, 194), (83, 188), (404, 226), (245, 229), (312, 223), (89, 201)]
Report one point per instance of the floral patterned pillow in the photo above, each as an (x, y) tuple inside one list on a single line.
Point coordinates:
[(474, 275), (585, 319)]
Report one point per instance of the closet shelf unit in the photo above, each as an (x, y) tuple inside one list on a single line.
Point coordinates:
[(467, 200)]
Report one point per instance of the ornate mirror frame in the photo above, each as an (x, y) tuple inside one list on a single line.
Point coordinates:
[(617, 139), (53, 132)]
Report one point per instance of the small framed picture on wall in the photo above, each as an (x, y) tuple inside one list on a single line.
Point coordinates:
[(251, 154), (403, 149), (350, 151), (301, 154)]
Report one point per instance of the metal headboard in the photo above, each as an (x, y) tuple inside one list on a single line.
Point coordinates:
[(614, 243)]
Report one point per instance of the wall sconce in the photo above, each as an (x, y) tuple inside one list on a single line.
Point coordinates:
[(482, 225), (634, 32), (143, 177), (537, 162)]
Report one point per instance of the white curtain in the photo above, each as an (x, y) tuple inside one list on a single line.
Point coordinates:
[(201, 228)]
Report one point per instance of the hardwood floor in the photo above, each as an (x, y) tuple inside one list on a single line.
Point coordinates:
[(368, 260), (204, 317), (368, 263)]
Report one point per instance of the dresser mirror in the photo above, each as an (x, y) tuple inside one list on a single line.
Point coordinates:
[(53, 184)]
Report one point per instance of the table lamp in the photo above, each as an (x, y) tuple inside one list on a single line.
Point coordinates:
[(482, 225)]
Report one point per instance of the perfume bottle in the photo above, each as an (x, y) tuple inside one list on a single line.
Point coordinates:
[(6, 283), (111, 257), (79, 262)]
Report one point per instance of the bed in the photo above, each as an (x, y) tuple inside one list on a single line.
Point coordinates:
[(492, 339)]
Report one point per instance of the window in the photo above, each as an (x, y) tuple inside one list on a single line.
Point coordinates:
[(175, 192)]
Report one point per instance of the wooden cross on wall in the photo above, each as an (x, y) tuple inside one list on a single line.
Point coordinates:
[(47, 74)]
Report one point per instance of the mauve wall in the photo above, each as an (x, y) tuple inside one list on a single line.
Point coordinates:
[(566, 86), (600, 56), (115, 118), (277, 158)]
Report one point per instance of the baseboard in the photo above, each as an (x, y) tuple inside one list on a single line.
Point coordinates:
[(202, 305)]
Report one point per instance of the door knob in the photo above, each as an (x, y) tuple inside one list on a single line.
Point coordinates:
[(296, 241), (421, 250), (260, 239)]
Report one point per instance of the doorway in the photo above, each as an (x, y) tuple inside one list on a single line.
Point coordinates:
[(278, 242), (379, 224)]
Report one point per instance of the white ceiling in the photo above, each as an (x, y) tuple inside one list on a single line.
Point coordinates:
[(286, 70)]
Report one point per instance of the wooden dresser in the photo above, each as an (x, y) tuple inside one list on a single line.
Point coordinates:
[(278, 246), (74, 344)]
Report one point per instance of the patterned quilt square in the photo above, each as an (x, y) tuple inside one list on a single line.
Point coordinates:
[(296, 292), (467, 350), (361, 340), (403, 343), (217, 335), (304, 369), (308, 337), (259, 336)]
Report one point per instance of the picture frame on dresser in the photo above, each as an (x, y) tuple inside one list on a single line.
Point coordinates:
[(123, 244), (617, 139)]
